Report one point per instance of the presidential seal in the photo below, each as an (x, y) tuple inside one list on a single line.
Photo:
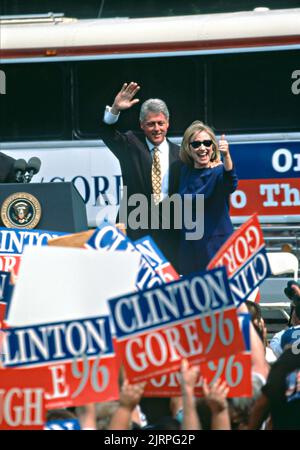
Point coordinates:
[(21, 210)]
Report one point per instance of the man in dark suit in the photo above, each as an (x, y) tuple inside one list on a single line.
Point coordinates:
[(135, 152), (7, 173)]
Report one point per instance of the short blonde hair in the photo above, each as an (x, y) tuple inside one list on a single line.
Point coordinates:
[(185, 151)]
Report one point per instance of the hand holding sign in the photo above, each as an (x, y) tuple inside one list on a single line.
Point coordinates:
[(131, 394), (189, 377), (215, 395)]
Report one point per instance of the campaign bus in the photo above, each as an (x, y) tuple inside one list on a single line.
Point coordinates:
[(237, 72)]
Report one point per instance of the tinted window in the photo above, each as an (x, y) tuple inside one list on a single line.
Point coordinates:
[(251, 92), (136, 8), (178, 81), (35, 104)]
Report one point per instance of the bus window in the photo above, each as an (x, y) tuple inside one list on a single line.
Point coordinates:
[(178, 81), (251, 92), (35, 104)]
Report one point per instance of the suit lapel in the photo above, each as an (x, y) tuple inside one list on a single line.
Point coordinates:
[(173, 157), (146, 166)]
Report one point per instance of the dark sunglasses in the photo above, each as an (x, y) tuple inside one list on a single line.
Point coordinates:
[(206, 143)]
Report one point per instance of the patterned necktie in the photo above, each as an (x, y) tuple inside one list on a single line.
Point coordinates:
[(156, 176)]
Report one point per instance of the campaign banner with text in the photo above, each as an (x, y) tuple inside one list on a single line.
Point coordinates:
[(6, 289), (22, 402), (156, 259), (194, 318), (108, 237), (75, 359), (235, 370), (245, 259), (272, 190), (13, 241)]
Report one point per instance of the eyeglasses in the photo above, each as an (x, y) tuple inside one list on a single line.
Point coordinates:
[(206, 143)]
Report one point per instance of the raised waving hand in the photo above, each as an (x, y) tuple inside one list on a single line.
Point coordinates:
[(124, 99)]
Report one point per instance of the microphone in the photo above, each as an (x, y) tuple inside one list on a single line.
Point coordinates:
[(20, 167), (33, 166)]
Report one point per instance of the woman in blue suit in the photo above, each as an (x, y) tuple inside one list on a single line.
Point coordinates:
[(204, 173)]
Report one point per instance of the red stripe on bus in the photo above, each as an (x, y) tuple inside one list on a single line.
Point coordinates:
[(159, 47)]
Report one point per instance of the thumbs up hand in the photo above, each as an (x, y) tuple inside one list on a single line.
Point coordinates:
[(223, 146)]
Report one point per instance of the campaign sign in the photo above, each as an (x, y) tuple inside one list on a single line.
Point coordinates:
[(22, 403), (84, 380), (80, 382), (13, 241), (66, 424), (194, 318), (245, 259), (156, 259), (235, 370), (6, 290), (108, 237), (53, 342), (75, 360)]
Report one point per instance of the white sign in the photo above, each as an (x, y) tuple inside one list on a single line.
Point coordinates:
[(57, 284)]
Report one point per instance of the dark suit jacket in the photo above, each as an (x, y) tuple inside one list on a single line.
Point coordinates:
[(136, 162), (7, 174)]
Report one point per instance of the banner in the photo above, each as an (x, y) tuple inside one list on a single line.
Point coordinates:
[(273, 188), (6, 289), (96, 173), (22, 403), (156, 259), (235, 370), (245, 259), (108, 237), (74, 359), (13, 241), (194, 318)]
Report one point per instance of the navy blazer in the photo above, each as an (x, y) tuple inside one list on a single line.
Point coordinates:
[(216, 184)]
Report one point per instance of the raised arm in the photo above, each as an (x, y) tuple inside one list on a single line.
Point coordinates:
[(259, 362), (129, 398), (189, 376), (118, 142), (216, 398)]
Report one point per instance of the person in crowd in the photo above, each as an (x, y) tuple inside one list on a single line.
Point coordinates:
[(147, 161), (260, 327), (211, 412), (189, 376), (130, 397), (203, 173), (292, 334), (260, 366), (280, 396), (240, 407), (216, 399), (292, 291), (87, 416)]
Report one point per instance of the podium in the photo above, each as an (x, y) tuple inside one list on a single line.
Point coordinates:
[(62, 207)]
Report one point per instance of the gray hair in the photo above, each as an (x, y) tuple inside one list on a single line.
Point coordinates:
[(153, 105)]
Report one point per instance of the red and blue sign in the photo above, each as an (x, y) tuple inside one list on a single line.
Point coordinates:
[(194, 318), (245, 259), (271, 187)]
